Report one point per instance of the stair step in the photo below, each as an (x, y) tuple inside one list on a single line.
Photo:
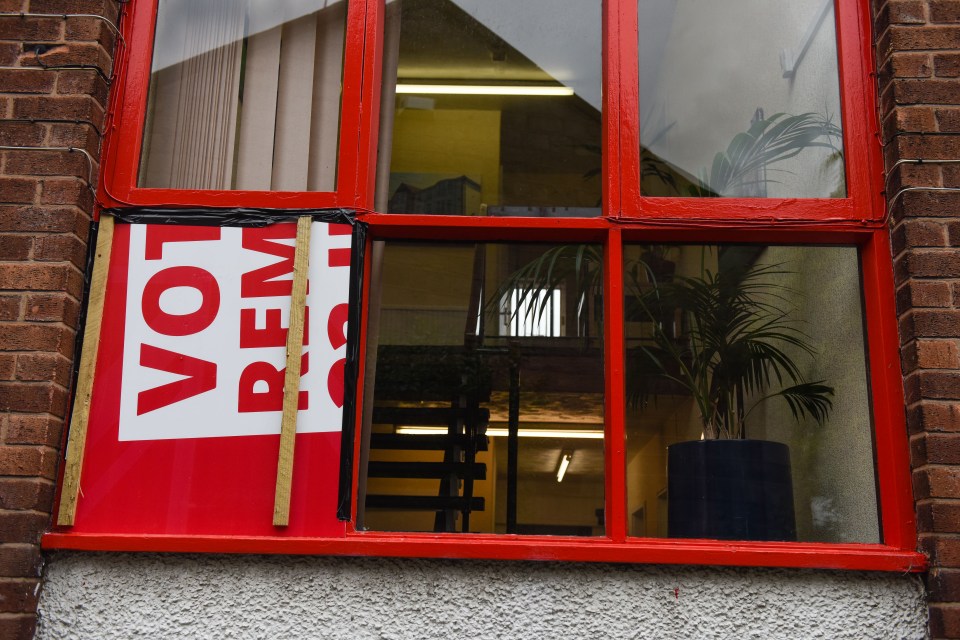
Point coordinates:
[(415, 442), (434, 470), (423, 503), (426, 416)]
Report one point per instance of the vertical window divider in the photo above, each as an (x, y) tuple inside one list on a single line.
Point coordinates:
[(614, 392)]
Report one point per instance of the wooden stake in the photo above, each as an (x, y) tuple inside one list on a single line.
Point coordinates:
[(291, 380), (80, 417)]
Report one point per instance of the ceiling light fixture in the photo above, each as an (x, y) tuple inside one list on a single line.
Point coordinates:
[(500, 432), (565, 459), (483, 90)]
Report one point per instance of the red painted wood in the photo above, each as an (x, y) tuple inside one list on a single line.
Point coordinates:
[(886, 379), (819, 556), (615, 401)]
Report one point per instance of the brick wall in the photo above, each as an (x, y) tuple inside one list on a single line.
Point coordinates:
[(918, 58), (44, 218), (45, 208)]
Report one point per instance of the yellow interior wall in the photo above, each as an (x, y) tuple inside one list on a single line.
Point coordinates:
[(450, 141)]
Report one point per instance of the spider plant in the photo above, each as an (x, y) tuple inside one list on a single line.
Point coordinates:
[(736, 351)]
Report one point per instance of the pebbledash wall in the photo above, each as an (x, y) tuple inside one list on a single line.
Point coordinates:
[(45, 207)]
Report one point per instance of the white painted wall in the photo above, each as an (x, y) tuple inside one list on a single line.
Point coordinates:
[(107, 596)]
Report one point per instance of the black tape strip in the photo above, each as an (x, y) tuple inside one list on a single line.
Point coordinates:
[(350, 373), (232, 217)]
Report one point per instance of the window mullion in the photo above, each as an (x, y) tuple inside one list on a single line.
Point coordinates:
[(614, 398)]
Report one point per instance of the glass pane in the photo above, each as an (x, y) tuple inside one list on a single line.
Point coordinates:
[(748, 413), (245, 95), (467, 344), (491, 108), (742, 104)]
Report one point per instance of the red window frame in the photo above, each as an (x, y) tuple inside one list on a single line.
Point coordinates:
[(856, 220)]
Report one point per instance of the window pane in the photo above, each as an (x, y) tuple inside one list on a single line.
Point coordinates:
[(767, 342), (466, 343), (740, 99), (245, 95), (491, 108)]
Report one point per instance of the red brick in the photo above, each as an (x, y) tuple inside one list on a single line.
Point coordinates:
[(18, 627), (61, 248), (27, 461), (10, 307), (26, 494), (931, 415), (20, 560), (902, 12), (36, 397), (935, 448), (36, 277), (81, 136), (936, 482), (945, 11), (8, 365), (66, 191), (36, 337), (47, 163), (917, 38), (917, 91), (909, 65), (52, 308), (9, 53), (941, 385), (82, 82), (15, 246), (947, 119), (921, 293), (87, 54), (40, 367), (939, 516), (913, 119), (927, 147), (45, 220), (934, 204), (947, 65), (31, 428), (944, 621), (919, 233), (99, 7), (944, 550), (26, 80), (18, 594), (17, 190), (35, 29), (935, 354), (72, 107), (90, 29), (21, 134), (22, 526)]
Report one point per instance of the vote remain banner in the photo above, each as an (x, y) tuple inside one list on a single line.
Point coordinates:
[(184, 429)]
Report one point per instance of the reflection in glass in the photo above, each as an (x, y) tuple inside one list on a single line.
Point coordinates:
[(466, 344), (491, 108), (748, 413), (740, 99), (245, 95)]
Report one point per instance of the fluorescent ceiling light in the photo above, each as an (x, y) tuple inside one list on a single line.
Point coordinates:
[(483, 90), (500, 432), (564, 463)]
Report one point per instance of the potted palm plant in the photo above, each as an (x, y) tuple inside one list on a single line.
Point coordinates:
[(736, 349)]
